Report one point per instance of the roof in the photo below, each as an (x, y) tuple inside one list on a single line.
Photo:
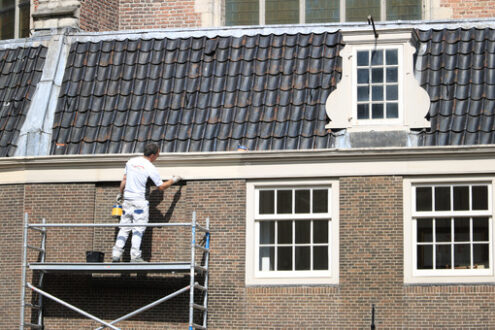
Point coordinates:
[(203, 91), (457, 69), (20, 71), (267, 92)]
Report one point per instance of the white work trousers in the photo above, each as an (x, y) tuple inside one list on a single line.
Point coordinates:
[(134, 212)]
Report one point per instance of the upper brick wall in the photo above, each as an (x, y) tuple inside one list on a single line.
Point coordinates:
[(470, 8), (152, 14), (97, 15)]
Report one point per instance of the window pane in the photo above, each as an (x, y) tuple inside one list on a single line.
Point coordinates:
[(284, 201), (392, 110), (284, 232), (363, 93), (321, 11), (377, 111), (267, 232), (363, 58), (377, 93), (363, 76), (392, 75), (391, 57), (358, 10), (267, 202), (377, 75), (480, 229), (425, 230), (462, 256), (442, 230), (480, 197), (363, 111), (242, 12), (302, 201), (7, 17), (267, 257), (442, 198), (444, 257), (284, 261), (24, 17), (320, 231), (392, 92), (303, 258), (303, 232), (281, 11), (377, 57), (461, 229), (423, 199), (481, 256), (320, 201), (461, 198), (425, 257), (320, 258), (403, 9)]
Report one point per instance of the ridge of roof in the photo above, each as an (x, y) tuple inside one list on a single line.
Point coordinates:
[(238, 31)]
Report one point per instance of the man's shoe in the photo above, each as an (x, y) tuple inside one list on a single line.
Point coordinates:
[(138, 259), (115, 259)]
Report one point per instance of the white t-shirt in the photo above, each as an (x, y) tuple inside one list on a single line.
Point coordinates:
[(138, 170)]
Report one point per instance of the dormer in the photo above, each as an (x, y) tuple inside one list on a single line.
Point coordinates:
[(378, 91)]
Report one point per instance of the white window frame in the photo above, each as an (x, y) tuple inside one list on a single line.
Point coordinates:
[(379, 122), (342, 11), (412, 275), (254, 276)]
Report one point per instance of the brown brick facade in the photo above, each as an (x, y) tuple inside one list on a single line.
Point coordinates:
[(97, 15), (152, 14), (470, 8), (371, 262)]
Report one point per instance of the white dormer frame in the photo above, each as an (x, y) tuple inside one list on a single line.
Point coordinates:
[(414, 101)]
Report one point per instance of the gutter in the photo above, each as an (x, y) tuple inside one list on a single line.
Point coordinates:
[(253, 165)]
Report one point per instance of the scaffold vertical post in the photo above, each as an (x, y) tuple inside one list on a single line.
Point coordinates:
[(193, 263), (24, 269), (42, 275), (207, 258)]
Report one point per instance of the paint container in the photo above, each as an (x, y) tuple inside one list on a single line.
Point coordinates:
[(117, 211)]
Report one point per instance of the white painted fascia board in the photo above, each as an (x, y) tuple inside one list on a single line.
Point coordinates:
[(258, 165)]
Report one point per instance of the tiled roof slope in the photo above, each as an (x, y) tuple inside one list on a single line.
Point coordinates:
[(267, 92), (457, 68), (20, 72)]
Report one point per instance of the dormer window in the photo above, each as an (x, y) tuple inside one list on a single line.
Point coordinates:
[(376, 73)]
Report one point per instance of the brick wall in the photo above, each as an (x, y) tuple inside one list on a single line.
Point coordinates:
[(470, 8), (97, 15), (150, 14), (371, 257), (11, 257)]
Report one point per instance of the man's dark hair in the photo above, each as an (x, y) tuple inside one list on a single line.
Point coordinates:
[(150, 149)]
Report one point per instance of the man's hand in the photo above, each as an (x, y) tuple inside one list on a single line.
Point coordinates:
[(176, 178), (119, 199)]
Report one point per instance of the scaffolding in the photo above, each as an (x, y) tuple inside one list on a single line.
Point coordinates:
[(194, 268)]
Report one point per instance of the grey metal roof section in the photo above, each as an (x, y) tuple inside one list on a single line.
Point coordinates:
[(457, 68), (20, 71), (204, 94)]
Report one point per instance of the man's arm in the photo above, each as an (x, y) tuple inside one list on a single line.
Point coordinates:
[(120, 196), (165, 185), (122, 184), (168, 183)]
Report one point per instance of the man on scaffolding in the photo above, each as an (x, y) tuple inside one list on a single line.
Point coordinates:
[(132, 197)]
